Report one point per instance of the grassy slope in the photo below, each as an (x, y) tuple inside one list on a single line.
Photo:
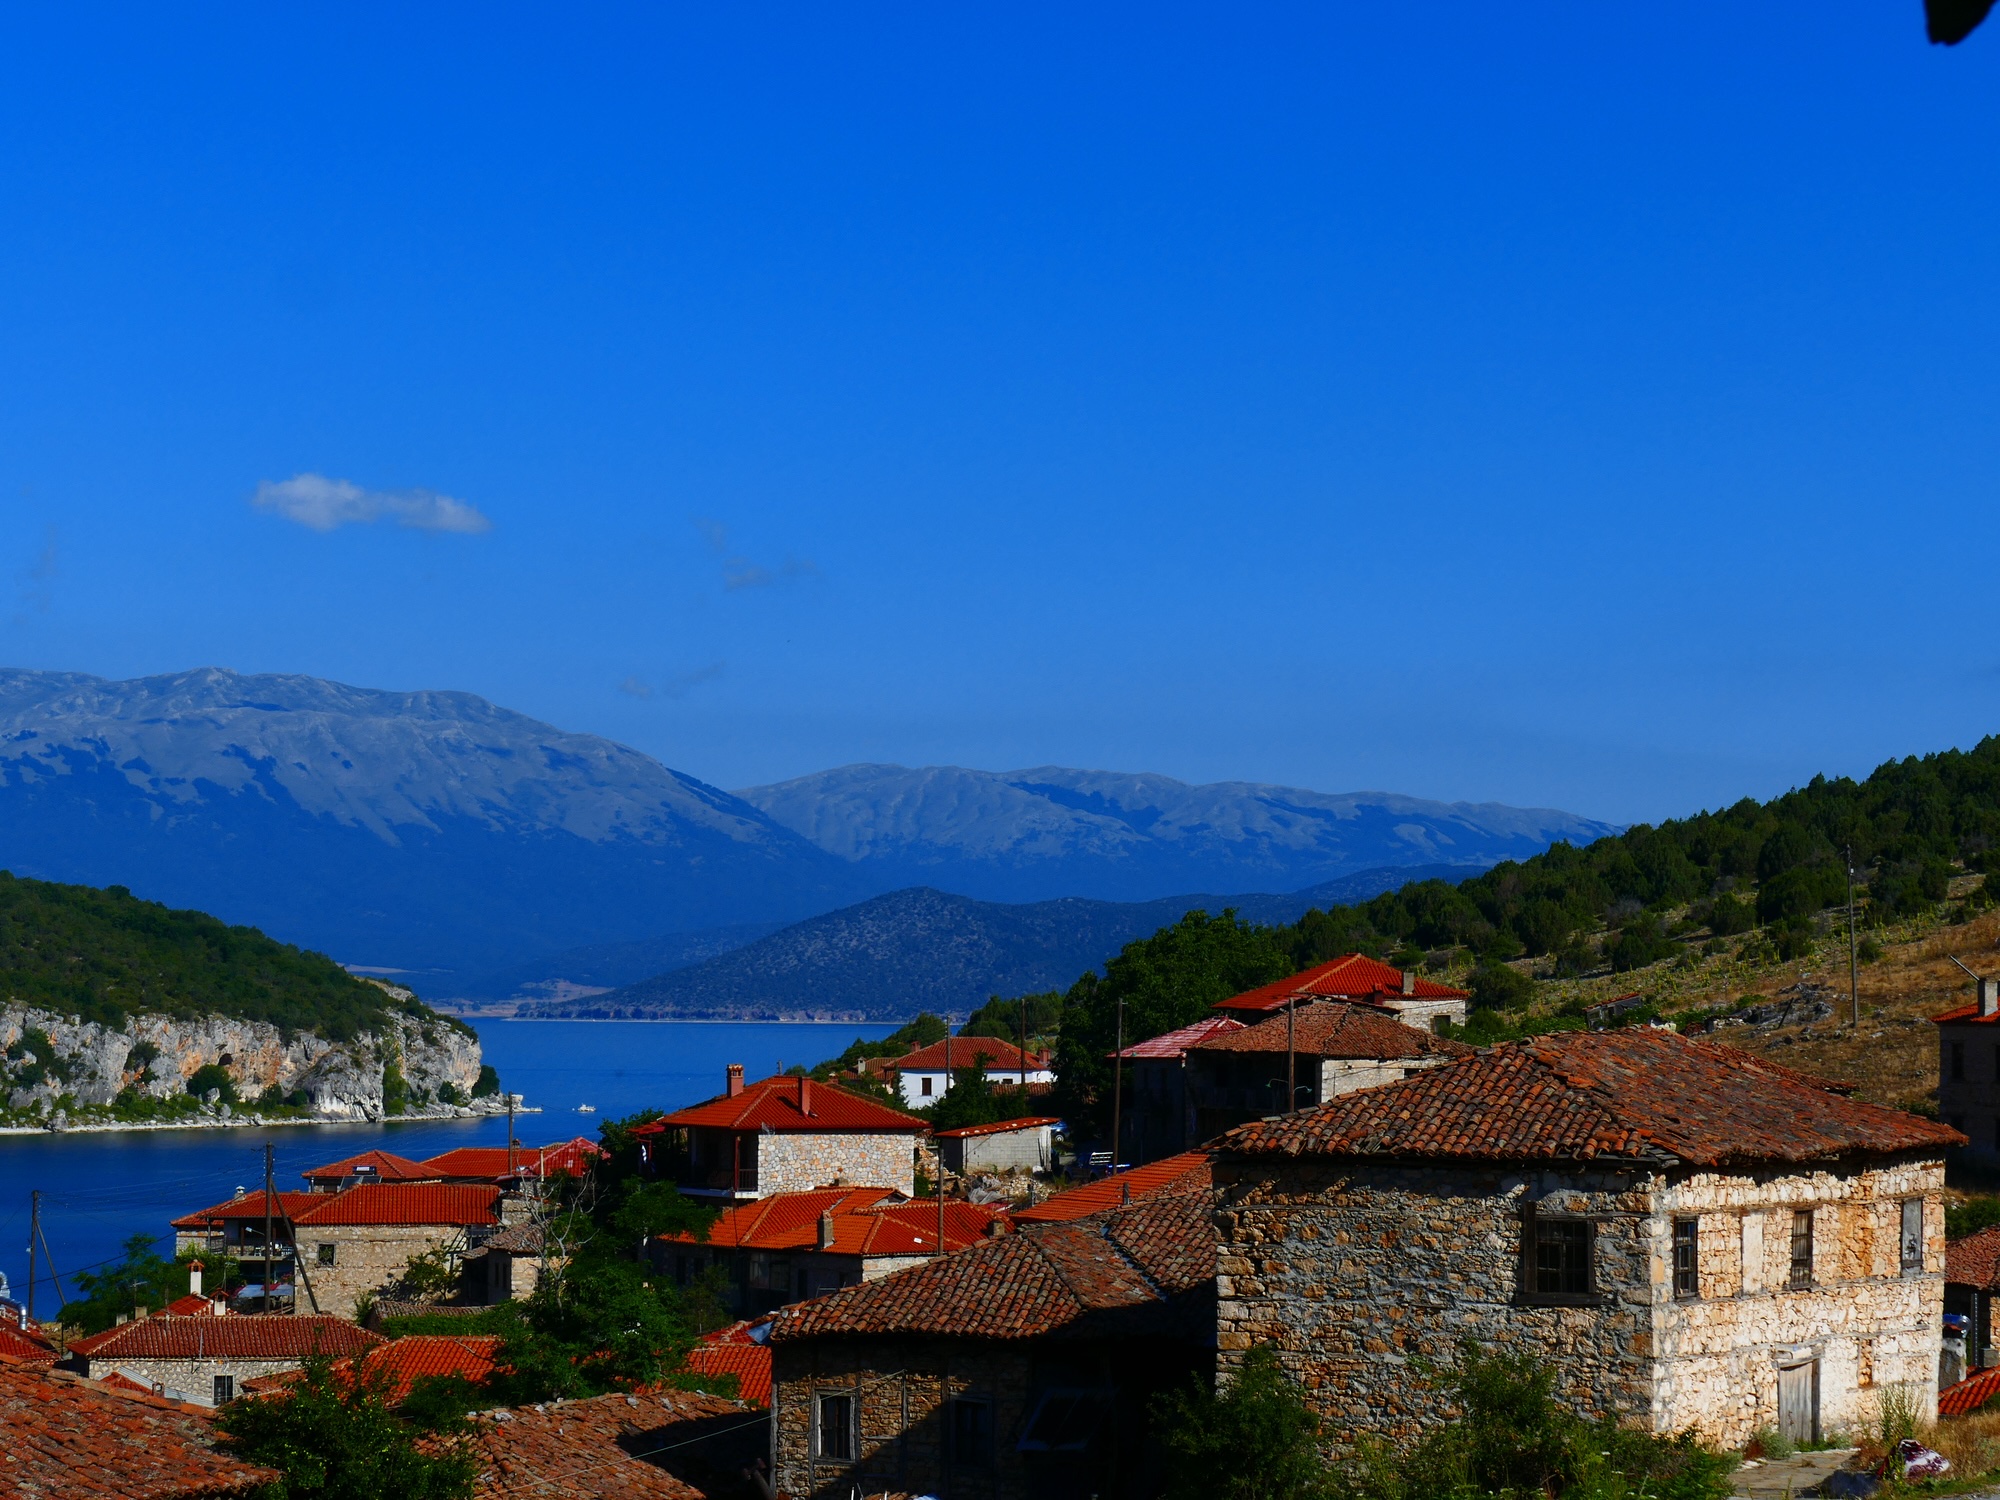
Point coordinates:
[(102, 955)]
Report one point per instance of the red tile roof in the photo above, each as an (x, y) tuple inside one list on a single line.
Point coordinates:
[(1136, 1259), (404, 1203), (117, 1380), (866, 1222), (1336, 1029), (383, 1166), (489, 1163), (998, 1056), (1637, 1094), (568, 1450), (1970, 1394), (774, 1104), (967, 1132), (1354, 976), (1974, 1260), (1966, 1015), (1175, 1043), (22, 1346), (400, 1363), (732, 1351), (249, 1206), (66, 1438), (238, 1336), (1186, 1173), (192, 1305)]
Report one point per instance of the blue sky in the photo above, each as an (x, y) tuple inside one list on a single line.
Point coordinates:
[(1572, 404)]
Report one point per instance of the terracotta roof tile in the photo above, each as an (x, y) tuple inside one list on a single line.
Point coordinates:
[(733, 1351), (866, 1221), (1042, 1279), (383, 1166), (568, 1450), (1186, 1173), (402, 1362), (1175, 1043), (1974, 1260), (72, 1439), (998, 1056), (1970, 1394), (389, 1203), (1638, 1093), (22, 1346), (238, 1336), (1353, 976), (968, 1132), (192, 1305), (1333, 1028), (489, 1163), (249, 1206), (774, 1104)]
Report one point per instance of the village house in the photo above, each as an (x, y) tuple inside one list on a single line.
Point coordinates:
[(508, 1265), (398, 1364), (657, 1444), (1021, 1366), (369, 1166), (1969, 1072), (1008, 1146), (1319, 1048), (791, 1246), (1355, 976), (206, 1360), (1971, 1280), (1159, 1114), (65, 1436), (1690, 1237), (923, 1076), (1186, 1173), (781, 1135), (500, 1166)]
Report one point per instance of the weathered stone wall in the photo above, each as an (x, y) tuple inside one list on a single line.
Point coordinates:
[(1353, 1271), (789, 1163), (901, 1387), (1969, 1086), (366, 1258), (341, 1080), (1008, 1151), (190, 1380)]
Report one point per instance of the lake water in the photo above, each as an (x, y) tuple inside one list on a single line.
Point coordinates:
[(100, 1188)]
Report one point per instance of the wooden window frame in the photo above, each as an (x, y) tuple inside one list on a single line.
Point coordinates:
[(1906, 1262), (1797, 1280), (851, 1427), (223, 1389), (1530, 1272), (1687, 1279), (983, 1459)]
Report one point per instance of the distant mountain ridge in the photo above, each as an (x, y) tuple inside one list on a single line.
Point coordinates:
[(920, 949), (1029, 835)]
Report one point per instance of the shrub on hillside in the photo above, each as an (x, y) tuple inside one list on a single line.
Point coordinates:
[(212, 1076), (1254, 1440)]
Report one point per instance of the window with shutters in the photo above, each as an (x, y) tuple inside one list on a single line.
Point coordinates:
[(834, 1432), (971, 1429), (1802, 1248), (1913, 1235), (1687, 1258)]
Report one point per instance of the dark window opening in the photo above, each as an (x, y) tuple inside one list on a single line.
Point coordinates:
[(1913, 1234), (225, 1389), (326, 1255), (1063, 1422), (1958, 1060), (1562, 1257), (1687, 1257), (1802, 1247), (971, 1433), (925, 1085), (836, 1427)]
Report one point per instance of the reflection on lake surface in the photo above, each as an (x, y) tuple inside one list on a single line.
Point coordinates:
[(101, 1188)]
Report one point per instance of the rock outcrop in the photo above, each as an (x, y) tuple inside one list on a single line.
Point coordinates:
[(435, 1062)]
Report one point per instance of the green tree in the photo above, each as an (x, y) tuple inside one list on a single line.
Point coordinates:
[(334, 1437), (973, 1099), (212, 1076), (1253, 1440)]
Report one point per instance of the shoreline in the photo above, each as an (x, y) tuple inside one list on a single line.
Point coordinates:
[(250, 1122), (665, 1020)]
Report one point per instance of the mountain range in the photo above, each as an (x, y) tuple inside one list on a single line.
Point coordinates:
[(921, 949), (436, 831)]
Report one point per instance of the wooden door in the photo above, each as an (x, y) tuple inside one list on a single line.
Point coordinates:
[(1798, 1403)]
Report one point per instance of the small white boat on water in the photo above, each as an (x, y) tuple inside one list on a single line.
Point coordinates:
[(586, 1109)]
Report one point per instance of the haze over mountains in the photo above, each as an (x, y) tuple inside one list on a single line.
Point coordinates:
[(438, 831)]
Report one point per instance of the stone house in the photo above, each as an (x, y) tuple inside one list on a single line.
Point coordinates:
[(508, 1265), (1019, 1367), (237, 1227), (1010, 1146), (1971, 1281), (781, 1135), (498, 1166), (361, 1240), (368, 1166), (1320, 1047), (206, 1360), (1969, 1072), (923, 1076), (1355, 976), (1186, 1173), (1690, 1236), (792, 1246), (1159, 1118)]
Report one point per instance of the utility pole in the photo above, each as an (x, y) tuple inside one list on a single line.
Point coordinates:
[(1117, 1083), (1291, 1056), (270, 1181), (1024, 1041), (34, 1233), (512, 1144), (1853, 951)]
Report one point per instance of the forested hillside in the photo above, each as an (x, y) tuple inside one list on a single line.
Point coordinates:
[(101, 955), (1745, 886)]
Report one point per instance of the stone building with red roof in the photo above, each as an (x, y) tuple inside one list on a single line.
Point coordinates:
[(400, 1363), (1185, 1173), (1689, 1235), (206, 1360), (1024, 1145), (1356, 976), (1021, 1366), (368, 1166), (1971, 1282), (1159, 1118), (781, 1135), (923, 1076), (792, 1246), (1969, 1071)]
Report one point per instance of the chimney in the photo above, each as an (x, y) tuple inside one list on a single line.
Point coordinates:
[(805, 1095), (734, 1085), (826, 1230), (1989, 997), (1409, 981), (194, 1278)]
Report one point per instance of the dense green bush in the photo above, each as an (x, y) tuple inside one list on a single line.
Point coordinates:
[(212, 1076), (488, 1082), (1254, 1440)]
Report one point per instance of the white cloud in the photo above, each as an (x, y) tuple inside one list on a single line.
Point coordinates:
[(324, 504)]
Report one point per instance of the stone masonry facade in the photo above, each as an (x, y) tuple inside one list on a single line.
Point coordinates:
[(900, 1388), (191, 1379), (367, 1258), (797, 1161), (1354, 1270)]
